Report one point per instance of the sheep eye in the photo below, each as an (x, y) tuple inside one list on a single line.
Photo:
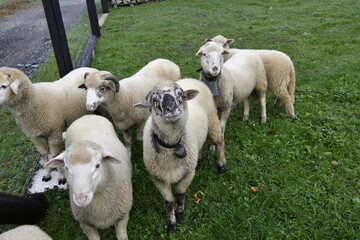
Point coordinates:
[(102, 89), (97, 166), (4, 86)]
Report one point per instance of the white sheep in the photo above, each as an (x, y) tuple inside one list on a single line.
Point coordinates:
[(173, 137), (44, 110), (280, 72), (117, 97), (28, 232), (232, 81), (98, 172)]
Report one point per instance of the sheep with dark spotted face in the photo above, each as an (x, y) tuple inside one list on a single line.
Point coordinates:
[(117, 97), (44, 110), (279, 68), (182, 116)]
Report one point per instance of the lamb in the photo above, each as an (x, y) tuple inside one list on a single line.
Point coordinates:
[(173, 137), (117, 97), (28, 232), (280, 72), (98, 172), (44, 110), (233, 81)]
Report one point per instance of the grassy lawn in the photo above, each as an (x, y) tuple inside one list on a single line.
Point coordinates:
[(307, 171)]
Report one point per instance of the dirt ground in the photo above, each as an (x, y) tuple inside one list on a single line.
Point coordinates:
[(24, 36)]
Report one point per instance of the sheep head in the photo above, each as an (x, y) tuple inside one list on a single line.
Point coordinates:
[(168, 103), (222, 40), (98, 85), (10, 81), (212, 58), (84, 169)]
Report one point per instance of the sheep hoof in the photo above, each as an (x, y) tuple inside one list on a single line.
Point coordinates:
[(222, 169), (179, 216), (212, 147), (246, 117), (172, 227), (62, 181), (46, 179), (263, 120)]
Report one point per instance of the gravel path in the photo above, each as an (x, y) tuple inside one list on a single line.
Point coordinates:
[(24, 37)]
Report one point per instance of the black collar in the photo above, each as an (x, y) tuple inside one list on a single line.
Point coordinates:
[(162, 143), (209, 77), (179, 149)]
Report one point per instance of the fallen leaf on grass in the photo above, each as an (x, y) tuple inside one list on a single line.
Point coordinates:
[(254, 189)]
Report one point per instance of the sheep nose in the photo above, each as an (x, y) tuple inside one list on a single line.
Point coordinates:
[(90, 107), (81, 200), (215, 68)]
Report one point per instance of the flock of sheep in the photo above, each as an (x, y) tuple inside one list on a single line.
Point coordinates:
[(183, 115)]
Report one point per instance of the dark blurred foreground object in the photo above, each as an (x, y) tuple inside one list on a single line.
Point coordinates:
[(22, 210)]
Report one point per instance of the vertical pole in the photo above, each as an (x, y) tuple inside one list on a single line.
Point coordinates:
[(58, 36), (94, 22), (104, 6)]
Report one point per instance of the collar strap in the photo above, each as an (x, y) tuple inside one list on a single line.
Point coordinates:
[(164, 144)]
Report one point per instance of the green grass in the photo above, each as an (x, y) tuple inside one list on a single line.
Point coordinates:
[(301, 194)]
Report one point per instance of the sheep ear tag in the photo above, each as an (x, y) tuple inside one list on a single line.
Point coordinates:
[(180, 151)]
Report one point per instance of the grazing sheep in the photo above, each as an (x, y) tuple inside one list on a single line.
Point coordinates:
[(173, 137), (22, 210), (98, 172), (234, 80), (44, 110), (117, 97), (280, 72), (25, 232)]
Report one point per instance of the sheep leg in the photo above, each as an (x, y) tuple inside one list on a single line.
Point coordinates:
[(127, 140), (55, 149), (165, 190), (246, 108), (263, 107), (140, 132), (42, 147), (217, 138), (289, 106), (181, 188), (223, 118), (89, 231), (121, 226), (277, 103)]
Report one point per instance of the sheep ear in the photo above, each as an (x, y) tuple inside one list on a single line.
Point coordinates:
[(190, 94), (229, 41), (56, 161), (15, 86), (144, 104), (208, 40), (82, 86), (108, 156), (200, 52), (225, 51)]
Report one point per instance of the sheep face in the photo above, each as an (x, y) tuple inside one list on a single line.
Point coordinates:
[(84, 169), (8, 86), (168, 103), (98, 85), (212, 58)]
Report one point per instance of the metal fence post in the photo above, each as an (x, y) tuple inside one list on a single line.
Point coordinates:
[(94, 22), (104, 6), (58, 36)]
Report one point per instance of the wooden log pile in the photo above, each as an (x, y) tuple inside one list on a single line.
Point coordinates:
[(116, 3)]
